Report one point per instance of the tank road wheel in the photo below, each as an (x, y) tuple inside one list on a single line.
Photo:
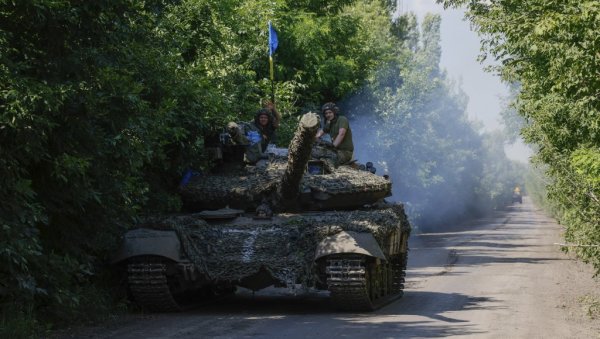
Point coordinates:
[(362, 283), (148, 283)]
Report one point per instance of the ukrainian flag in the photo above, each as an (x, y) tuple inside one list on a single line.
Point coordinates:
[(273, 43)]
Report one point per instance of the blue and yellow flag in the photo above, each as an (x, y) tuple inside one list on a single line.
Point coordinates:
[(273, 43)]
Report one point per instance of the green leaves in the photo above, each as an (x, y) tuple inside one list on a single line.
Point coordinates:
[(586, 162), (103, 104), (551, 49)]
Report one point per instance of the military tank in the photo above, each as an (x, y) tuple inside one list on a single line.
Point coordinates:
[(285, 222)]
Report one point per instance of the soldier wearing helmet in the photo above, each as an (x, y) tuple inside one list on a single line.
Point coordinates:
[(265, 124), (339, 129), (270, 105), (255, 135)]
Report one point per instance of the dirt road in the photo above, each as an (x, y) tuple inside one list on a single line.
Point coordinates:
[(501, 277)]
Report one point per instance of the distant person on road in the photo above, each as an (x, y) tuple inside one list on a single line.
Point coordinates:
[(517, 195), (339, 129)]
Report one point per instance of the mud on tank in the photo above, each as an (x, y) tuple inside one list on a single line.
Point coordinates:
[(274, 224)]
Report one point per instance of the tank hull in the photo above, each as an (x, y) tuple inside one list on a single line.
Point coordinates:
[(348, 253)]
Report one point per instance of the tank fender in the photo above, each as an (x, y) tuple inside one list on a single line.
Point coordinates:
[(349, 242), (144, 241)]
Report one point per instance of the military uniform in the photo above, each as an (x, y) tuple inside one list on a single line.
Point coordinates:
[(246, 134), (327, 154), (268, 135), (345, 150)]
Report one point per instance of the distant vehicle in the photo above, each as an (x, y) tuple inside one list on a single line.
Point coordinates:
[(516, 197)]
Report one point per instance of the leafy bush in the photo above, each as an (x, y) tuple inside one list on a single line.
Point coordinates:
[(105, 103), (550, 49)]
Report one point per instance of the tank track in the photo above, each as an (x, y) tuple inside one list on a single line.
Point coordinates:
[(148, 284), (398, 265), (350, 283)]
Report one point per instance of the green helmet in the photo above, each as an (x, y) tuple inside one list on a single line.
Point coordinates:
[(330, 106)]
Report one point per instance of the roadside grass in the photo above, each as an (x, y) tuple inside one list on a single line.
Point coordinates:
[(91, 305), (18, 321), (592, 305)]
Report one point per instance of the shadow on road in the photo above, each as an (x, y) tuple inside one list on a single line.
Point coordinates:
[(417, 313)]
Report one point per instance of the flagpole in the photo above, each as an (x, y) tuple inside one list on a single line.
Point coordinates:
[(271, 71)]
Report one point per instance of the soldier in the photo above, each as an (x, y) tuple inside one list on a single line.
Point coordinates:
[(268, 104), (256, 135), (246, 134), (265, 124), (339, 129)]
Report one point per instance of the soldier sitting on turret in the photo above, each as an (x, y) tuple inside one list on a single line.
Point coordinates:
[(265, 124), (246, 134), (256, 135), (341, 135)]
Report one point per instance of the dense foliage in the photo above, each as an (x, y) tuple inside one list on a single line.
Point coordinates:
[(103, 104), (551, 49)]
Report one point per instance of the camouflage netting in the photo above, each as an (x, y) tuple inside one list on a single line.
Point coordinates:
[(285, 247), (345, 180), (238, 190), (245, 190), (299, 154)]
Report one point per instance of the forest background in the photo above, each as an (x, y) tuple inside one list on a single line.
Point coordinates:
[(550, 51), (105, 104)]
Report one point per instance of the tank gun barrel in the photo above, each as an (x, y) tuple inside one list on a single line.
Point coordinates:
[(298, 156)]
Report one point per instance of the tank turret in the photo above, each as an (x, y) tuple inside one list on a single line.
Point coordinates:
[(286, 183), (285, 221)]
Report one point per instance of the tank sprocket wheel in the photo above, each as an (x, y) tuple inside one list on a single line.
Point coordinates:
[(362, 283)]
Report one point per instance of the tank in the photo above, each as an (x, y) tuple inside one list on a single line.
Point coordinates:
[(288, 221)]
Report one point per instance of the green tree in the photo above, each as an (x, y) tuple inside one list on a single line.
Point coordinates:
[(550, 48), (94, 118), (103, 104)]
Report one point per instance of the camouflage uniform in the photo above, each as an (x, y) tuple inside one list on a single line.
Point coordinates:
[(268, 135), (248, 135), (326, 153), (345, 150), (254, 136)]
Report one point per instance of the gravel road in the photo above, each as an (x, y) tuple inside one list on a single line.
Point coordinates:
[(500, 277)]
